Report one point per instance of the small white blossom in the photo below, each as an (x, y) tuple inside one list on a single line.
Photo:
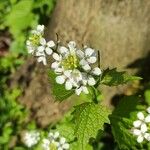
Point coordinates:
[(62, 145), (87, 57), (43, 50), (53, 136), (31, 138), (38, 46), (39, 30), (142, 121), (45, 144), (139, 134), (140, 129), (54, 141)]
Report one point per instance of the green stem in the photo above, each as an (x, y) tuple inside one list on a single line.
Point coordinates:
[(94, 96)]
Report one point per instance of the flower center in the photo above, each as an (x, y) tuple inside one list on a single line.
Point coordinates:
[(35, 39), (70, 62), (53, 146)]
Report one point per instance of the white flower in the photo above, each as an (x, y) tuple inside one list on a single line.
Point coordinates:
[(54, 141), (47, 144), (141, 123), (34, 39), (140, 135), (47, 47), (73, 68), (39, 30), (43, 49), (31, 138), (62, 145), (53, 136), (87, 57)]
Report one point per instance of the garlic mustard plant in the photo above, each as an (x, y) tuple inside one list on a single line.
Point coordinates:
[(75, 70)]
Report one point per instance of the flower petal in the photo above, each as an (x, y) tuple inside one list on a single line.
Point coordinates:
[(55, 65), (50, 44), (92, 59), (78, 91), (86, 67), (63, 50), (48, 51), (140, 139), (40, 48), (147, 119), (80, 54), (60, 79), (96, 71), (68, 85), (42, 59), (58, 70), (42, 41), (56, 135), (137, 123), (140, 115), (85, 90), (72, 44), (83, 62), (56, 56), (136, 132), (65, 146), (148, 110), (143, 127), (91, 81), (60, 148), (89, 52), (67, 73), (40, 28), (147, 136), (62, 140)]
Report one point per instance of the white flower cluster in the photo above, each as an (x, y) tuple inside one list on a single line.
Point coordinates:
[(75, 68), (37, 45), (31, 138), (54, 141), (141, 127)]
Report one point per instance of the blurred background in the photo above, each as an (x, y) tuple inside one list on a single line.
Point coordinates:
[(120, 29)]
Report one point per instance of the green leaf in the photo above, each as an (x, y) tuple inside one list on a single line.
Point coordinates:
[(89, 118), (20, 17), (59, 90), (112, 77), (147, 96), (122, 121)]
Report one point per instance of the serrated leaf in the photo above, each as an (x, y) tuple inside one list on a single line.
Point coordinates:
[(112, 77), (59, 90), (89, 118), (122, 121)]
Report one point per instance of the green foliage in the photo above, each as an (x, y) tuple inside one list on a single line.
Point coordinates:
[(89, 118), (58, 90), (122, 121), (12, 116), (20, 16), (112, 77), (147, 96)]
